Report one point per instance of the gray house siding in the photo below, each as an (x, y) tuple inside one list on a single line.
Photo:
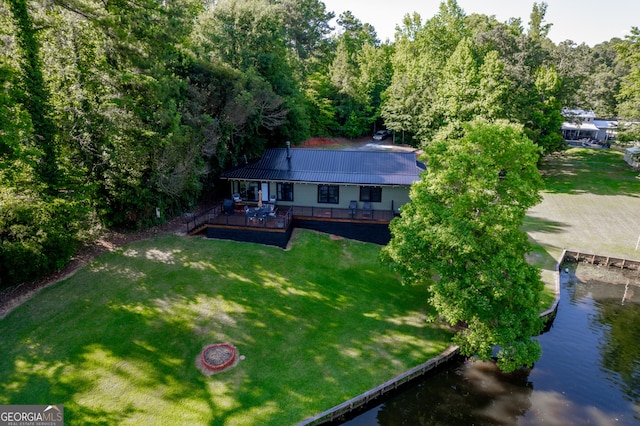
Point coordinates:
[(306, 194)]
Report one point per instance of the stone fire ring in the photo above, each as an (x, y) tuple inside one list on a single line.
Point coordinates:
[(218, 357)]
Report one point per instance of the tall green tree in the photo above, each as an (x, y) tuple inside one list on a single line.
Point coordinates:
[(307, 30), (493, 87), (359, 71), (460, 236), (374, 63), (545, 119), (538, 29), (458, 92), (590, 76), (311, 49), (535, 90), (422, 51), (250, 36), (39, 210), (36, 94), (629, 96), (322, 111), (404, 98), (17, 157)]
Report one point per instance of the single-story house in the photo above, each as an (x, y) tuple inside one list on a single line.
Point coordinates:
[(579, 125), (328, 178), (353, 193)]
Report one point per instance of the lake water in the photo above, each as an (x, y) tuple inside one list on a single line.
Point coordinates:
[(589, 372)]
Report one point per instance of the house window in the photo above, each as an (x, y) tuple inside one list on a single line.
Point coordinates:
[(248, 190), (371, 193), (328, 194), (285, 191)]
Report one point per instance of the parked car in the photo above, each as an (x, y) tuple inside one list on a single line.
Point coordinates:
[(381, 135)]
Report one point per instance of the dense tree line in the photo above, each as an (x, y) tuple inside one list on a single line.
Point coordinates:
[(112, 110)]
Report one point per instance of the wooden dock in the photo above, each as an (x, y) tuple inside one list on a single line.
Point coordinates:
[(595, 259)]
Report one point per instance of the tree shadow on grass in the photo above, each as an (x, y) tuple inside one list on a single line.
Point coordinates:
[(123, 333), (107, 365), (538, 224), (540, 257), (600, 172)]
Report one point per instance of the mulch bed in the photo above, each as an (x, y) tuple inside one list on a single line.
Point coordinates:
[(329, 142), (315, 142)]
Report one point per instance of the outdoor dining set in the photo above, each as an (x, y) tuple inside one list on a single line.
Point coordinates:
[(260, 213)]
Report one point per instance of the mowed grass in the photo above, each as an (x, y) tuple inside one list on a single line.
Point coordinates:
[(117, 342), (591, 204)]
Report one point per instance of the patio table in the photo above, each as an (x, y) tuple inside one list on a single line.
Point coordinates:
[(259, 212)]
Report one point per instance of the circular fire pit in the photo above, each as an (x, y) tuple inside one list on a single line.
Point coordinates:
[(218, 357)]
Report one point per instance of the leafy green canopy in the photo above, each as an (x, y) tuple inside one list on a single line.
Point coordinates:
[(629, 96), (453, 68), (359, 73), (460, 236)]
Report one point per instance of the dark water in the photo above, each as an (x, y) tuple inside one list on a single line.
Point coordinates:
[(589, 372)]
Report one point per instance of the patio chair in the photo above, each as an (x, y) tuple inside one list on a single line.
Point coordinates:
[(353, 206), (251, 215), (236, 197), (366, 209)]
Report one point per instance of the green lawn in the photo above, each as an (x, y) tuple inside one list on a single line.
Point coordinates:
[(117, 342), (591, 204), (593, 171)]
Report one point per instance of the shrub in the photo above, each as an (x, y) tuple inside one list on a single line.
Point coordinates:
[(37, 236)]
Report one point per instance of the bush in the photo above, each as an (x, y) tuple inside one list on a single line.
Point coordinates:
[(37, 236), (629, 133)]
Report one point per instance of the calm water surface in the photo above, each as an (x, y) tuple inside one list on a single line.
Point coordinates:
[(589, 372)]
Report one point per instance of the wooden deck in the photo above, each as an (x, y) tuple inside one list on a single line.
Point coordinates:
[(276, 228), (216, 217)]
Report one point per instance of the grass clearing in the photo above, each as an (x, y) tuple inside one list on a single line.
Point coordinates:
[(117, 342), (591, 204)]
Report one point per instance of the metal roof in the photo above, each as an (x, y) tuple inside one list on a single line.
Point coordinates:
[(331, 166), (579, 126), (605, 124)]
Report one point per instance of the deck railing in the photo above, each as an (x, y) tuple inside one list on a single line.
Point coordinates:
[(282, 217), (279, 219), (196, 221), (343, 214)]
